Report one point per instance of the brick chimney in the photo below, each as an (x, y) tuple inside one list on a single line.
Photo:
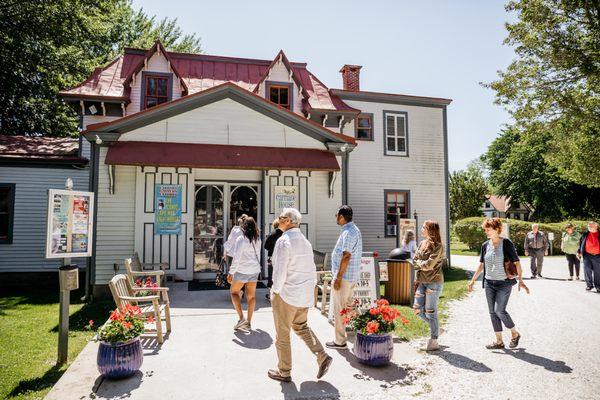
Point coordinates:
[(351, 77)]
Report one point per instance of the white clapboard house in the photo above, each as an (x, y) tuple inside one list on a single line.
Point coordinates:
[(234, 132)]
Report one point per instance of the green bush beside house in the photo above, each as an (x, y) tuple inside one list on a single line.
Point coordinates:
[(469, 231)]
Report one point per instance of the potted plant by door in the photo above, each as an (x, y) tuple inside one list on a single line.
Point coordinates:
[(120, 352), (374, 343)]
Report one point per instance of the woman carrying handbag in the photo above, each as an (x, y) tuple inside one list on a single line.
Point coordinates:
[(244, 272), (501, 269)]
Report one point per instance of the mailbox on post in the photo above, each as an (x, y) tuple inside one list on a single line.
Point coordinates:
[(68, 277)]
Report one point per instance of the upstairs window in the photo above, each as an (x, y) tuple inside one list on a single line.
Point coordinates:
[(394, 200), (364, 127), (396, 133), (157, 90), (7, 210), (280, 94)]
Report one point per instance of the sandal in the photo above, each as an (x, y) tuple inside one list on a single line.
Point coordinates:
[(495, 346), (514, 342)]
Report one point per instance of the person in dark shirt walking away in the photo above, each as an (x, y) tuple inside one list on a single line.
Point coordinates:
[(589, 249), (536, 246), (269, 247)]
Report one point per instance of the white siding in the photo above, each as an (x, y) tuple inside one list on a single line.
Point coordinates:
[(116, 218), (422, 172), (156, 63), (224, 122), (326, 207), (279, 73), (27, 252), (88, 120)]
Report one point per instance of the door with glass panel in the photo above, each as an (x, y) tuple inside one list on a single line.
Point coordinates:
[(209, 227)]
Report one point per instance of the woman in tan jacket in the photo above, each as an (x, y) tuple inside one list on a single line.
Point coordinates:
[(428, 262)]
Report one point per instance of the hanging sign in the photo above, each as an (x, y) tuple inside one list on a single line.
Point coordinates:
[(285, 197), (167, 209), (69, 225)]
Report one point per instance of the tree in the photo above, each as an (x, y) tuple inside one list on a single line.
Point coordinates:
[(467, 192), (518, 169), (46, 46), (552, 89)]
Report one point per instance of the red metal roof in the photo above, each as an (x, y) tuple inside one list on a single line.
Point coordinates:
[(218, 156), (38, 148), (200, 72)]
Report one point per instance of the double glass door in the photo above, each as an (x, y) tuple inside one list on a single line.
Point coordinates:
[(217, 209)]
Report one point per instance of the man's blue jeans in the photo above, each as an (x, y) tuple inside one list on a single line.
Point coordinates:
[(591, 270), (426, 305)]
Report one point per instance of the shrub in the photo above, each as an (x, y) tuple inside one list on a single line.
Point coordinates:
[(469, 231)]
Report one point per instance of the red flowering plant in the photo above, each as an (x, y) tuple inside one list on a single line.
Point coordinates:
[(376, 320), (147, 284), (125, 323)]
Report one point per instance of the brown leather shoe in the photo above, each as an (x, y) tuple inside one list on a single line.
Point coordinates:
[(276, 375), (324, 367)]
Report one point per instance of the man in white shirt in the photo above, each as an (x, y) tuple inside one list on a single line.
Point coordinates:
[(294, 279)]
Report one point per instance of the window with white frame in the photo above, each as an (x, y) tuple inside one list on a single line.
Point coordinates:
[(396, 133)]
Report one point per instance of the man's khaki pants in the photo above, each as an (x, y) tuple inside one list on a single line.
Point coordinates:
[(341, 299), (289, 317)]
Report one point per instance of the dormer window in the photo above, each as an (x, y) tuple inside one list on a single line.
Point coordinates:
[(280, 94), (157, 89)]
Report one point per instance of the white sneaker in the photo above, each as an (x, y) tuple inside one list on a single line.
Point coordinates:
[(240, 324), (432, 345)]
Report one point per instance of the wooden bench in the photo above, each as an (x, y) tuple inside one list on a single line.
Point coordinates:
[(123, 293), (134, 273)]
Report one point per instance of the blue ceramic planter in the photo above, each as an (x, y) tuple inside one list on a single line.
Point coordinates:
[(374, 349), (120, 360)]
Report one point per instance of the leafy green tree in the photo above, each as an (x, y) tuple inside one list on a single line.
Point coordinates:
[(467, 192), (518, 168), (46, 46), (552, 89)]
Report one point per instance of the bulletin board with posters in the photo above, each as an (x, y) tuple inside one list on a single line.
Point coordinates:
[(70, 224)]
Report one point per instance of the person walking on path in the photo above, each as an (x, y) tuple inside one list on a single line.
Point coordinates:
[(428, 262), (244, 272), (345, 270), (589, 249), (234, 234), (294, 280), (270, 246), (570, 245), (496, 252), (536, 246)]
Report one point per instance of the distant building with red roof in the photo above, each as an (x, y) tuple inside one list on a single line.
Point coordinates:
[(503, 207)]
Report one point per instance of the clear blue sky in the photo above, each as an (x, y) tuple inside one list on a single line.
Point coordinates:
[(432, 48)]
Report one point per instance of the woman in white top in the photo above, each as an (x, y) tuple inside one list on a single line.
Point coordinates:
[(409, 244), (244, 271), (236, 232)]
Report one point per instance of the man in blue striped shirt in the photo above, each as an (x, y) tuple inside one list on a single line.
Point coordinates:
[(345, 269)]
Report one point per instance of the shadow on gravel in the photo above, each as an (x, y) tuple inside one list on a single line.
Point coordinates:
[(460, 361), (550, 365)]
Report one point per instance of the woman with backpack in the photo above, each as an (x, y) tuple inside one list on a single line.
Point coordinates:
[(244, 271), (501, 267), (428, 262)]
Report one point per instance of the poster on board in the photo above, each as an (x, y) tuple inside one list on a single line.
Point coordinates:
[(285, 197), (383, 271), (69, 224), (167, 209)]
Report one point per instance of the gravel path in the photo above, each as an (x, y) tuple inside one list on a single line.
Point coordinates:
[(558, 356)]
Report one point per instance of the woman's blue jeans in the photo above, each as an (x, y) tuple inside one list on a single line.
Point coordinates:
[(498, 293), (426, 305)]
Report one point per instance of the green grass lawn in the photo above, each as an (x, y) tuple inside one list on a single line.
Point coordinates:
[(460, 248), (29, 339), (455, 287)]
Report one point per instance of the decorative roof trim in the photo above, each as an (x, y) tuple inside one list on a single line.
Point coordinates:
[(391, 98), (281, 55)]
